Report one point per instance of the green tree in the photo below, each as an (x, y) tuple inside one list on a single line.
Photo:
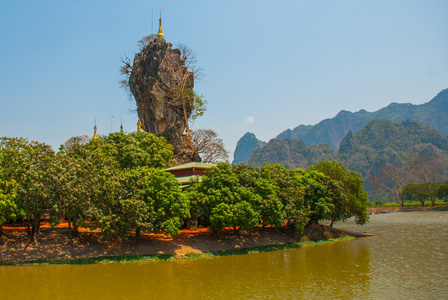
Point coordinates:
[(29, 164), (247, 175), (132, 150), (156, 200), (319, 191), (442, 191), (78, 187), (290, 193), (261, 183), (417, 192), (271, 208), (8, 207), (428, 170), (221, 201), (354, 200)]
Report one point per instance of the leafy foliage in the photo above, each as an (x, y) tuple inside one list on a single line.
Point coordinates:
[(161, 203), (117, 185), (416, 192), (29, 164), (354, 199), (8, 207), (217, 200)]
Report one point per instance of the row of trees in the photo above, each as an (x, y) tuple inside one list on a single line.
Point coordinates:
[(241, 196), (418, 180), (118, 185)]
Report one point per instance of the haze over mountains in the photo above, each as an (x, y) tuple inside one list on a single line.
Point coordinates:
[(362, 141), (332, 131)]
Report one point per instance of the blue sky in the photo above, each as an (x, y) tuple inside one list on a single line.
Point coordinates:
[(268, 65)]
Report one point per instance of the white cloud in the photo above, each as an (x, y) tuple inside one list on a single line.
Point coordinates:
[(250, 119)]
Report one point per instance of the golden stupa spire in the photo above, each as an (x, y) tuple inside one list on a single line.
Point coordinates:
[(121, 126), (95, 137), (160, 33), (139, 126)]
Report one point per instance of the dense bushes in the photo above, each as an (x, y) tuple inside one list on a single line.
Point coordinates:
[(118, 185)]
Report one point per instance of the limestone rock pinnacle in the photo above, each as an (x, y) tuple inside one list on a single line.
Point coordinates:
[(157, 74)]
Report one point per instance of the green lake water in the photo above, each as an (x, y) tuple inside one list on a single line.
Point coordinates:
[(406, 259)]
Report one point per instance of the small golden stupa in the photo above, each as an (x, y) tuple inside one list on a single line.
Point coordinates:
[(160, 33), (139, 125), (95, 137)]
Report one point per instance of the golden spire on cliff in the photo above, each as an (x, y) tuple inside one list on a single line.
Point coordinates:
[(139, 125), (160, 33), (95, 137)]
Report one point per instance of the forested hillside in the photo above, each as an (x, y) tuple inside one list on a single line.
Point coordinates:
[(331, 131), (376, 145)]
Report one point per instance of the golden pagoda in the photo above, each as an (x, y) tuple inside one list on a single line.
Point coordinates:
[(95, 137), (160, 33)]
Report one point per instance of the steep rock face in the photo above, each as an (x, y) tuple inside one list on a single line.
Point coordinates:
[(245, 146), (157, 74)]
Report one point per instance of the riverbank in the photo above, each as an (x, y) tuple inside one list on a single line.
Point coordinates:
[(52, 245), (377, 210)]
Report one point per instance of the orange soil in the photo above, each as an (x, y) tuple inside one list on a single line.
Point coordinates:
[(53, 243)]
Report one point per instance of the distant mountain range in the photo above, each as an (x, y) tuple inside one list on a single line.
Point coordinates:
[(376, 145), (332, 131), (362, 141)]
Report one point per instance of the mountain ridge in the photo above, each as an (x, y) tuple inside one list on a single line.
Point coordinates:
[(378, 144), (332, 130)]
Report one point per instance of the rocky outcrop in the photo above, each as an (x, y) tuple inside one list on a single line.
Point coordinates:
[(245, 146), (158, 73)]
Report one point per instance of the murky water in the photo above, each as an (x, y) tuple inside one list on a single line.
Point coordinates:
[(406, 259)]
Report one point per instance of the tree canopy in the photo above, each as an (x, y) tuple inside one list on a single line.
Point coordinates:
[(353, 197), (118, 185)]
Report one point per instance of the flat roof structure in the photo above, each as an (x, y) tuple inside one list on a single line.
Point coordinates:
[(188, 171)]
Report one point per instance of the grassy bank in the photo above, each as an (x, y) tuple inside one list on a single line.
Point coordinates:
[(381, 204), (163, 257)]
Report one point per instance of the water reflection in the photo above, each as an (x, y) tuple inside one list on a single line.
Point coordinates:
[(402, 260)]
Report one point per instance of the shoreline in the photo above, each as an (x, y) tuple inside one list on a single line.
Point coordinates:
[(383, 210), (162, 257), (52, 247)]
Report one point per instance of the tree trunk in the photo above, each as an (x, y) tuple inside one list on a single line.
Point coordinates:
[(33, 228), (27, 226), (75, 227), (70, 231), (1, 231), (332, 221), (38, 225)]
